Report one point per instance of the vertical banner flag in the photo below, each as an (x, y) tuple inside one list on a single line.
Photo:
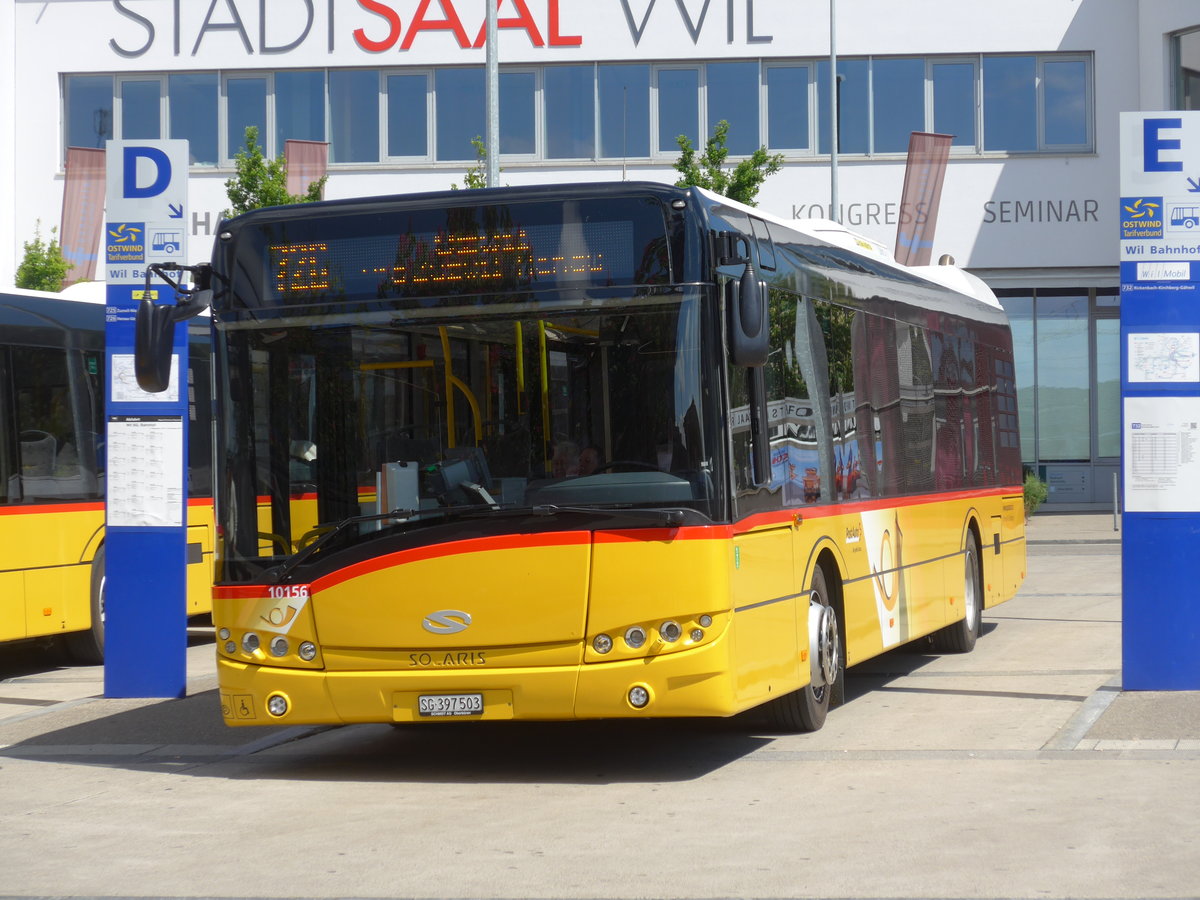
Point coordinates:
[(923, 176), (82, 212), (306, 162)]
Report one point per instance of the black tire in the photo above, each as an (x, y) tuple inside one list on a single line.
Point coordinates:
[(87, 647), (806, 709), (960, 636)]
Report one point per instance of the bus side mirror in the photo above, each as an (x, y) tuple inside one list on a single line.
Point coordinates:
[(154, 329), (748, 320), (154, 342)]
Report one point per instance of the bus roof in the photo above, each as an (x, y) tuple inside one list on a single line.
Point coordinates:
[(838, 235)]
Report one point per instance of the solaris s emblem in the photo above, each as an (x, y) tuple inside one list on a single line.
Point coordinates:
[(447, 621)]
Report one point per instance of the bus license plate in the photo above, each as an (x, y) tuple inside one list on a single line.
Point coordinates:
[(437, 705)]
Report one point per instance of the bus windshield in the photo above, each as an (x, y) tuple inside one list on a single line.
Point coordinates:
[(385, 423)]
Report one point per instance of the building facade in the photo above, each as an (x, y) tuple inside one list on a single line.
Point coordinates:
[(599, 90)]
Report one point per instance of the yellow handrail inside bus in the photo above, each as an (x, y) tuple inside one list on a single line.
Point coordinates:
[(452, 382)]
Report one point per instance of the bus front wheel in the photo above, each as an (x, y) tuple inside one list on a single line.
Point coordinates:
[(806, 709), (87, 647)]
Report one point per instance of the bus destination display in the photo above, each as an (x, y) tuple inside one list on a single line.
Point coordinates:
[(440, 262)]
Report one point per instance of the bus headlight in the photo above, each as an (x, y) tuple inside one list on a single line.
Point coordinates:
[(250, 642), (602, 643), (670, 631), (308, 651), (279, 645), (635, 637)]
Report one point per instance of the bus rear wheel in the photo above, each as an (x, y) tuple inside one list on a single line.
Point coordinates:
[(87, 647), (960, 636), (806, 709)]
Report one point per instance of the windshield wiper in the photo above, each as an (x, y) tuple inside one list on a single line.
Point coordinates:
[(670, 517), (337, 529), (409, 515)]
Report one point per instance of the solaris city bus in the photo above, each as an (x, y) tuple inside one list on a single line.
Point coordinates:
[(52, 469), (587, 451)]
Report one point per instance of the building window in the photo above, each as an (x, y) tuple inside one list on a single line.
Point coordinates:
[(518, 113), (461, 113), (141, 109), (193, 114), (300, 107), (570, 102), (1065, 103), (953, 86), (624, 93), (897, 103), (732, 93), (1066, 346), (354, 116), (245, 107), (853, 106), (407, 115), (678, 99), (1010, 103), (1185, 50), (1063, 386), (89, 116), (787, 107), (1030, 103)]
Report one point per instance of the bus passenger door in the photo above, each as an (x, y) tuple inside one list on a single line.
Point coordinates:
[(766, 653)]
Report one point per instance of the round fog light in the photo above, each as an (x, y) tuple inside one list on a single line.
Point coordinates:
[(250, 642), (602, 643), (635, 636), (697, 635), (638, 697), (308, 651), (277, 705), (670, 631)]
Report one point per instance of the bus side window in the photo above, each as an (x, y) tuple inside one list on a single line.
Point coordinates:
[(56, 422)]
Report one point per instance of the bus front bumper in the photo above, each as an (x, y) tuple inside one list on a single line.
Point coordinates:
[(695, 682)]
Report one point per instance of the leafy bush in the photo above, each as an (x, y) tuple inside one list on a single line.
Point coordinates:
[(43, 267), (1035, 493)]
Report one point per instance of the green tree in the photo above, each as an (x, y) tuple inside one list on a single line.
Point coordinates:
[(741, 182), (263, 182), (43, 267), (476, 176)]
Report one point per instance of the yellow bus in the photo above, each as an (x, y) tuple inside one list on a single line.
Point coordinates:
[(593, 451), (52, 467)]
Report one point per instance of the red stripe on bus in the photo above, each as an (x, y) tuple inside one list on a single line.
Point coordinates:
[(782, 516)]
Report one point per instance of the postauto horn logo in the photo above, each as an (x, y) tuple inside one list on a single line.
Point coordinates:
[(126, 242), (1141, 218)]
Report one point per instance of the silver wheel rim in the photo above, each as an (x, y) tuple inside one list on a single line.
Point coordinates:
[(970, 592)]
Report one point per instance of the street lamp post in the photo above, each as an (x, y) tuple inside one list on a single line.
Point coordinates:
[(492, 92), (834, 208)]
